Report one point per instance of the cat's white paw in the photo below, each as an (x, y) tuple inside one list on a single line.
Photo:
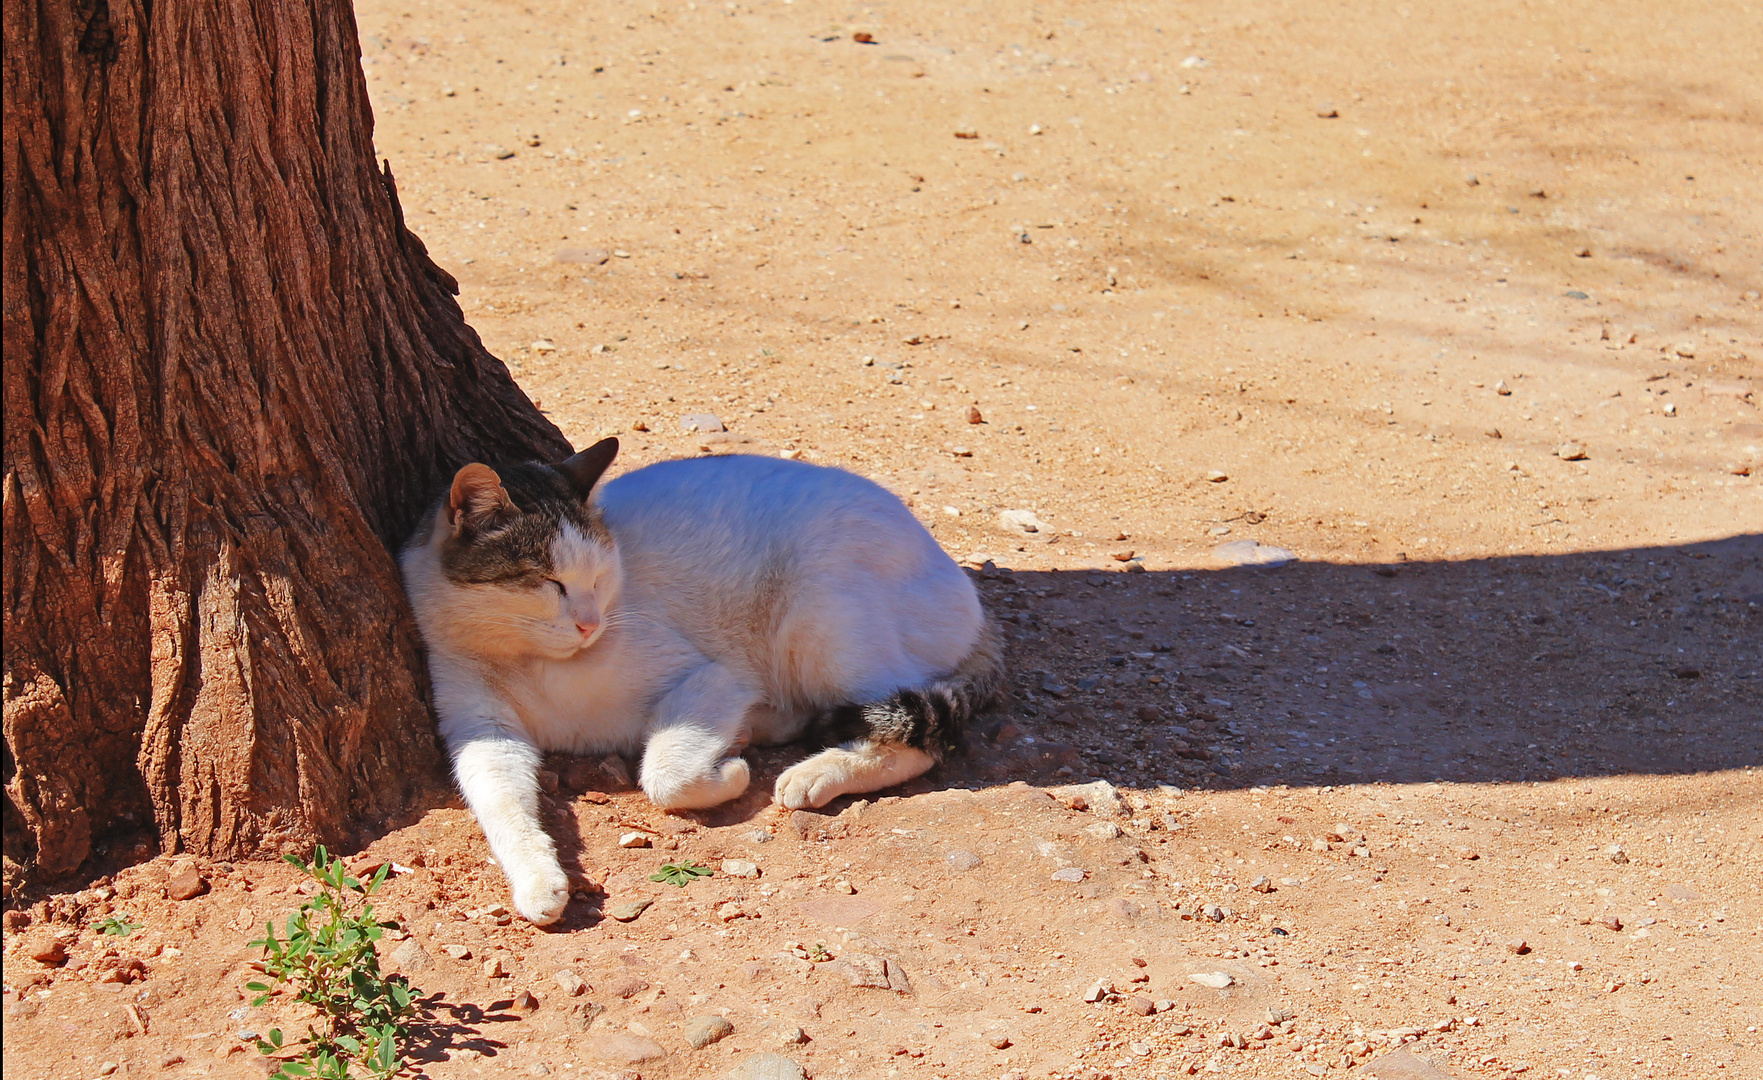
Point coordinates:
[(812, 783), (727, 781), (540, 895)]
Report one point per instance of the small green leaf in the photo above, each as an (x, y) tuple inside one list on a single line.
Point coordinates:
[(680, 874)]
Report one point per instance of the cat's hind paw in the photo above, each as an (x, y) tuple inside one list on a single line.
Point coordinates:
[(802, 786), (841, 771), (540, 896)]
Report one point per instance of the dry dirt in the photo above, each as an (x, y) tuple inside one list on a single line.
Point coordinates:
[(1362, 282)]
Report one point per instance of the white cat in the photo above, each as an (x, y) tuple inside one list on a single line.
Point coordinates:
[(687, 609)]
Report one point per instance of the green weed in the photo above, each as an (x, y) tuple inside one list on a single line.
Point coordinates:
[(680, 874), (115, 926), (328, 960)]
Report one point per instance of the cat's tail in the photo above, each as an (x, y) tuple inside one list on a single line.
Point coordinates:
[(932, 717)]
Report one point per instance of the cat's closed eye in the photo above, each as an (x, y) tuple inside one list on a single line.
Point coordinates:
[(561, 591)]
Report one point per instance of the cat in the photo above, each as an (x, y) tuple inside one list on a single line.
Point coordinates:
[(686, 609)]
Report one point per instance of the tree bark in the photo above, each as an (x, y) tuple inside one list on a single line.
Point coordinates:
[(232, 380)]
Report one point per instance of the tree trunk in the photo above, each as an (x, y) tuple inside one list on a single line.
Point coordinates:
[(232, 380)]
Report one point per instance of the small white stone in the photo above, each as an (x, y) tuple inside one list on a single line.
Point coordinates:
[(634, 840), (739, 868), (1217, 980)]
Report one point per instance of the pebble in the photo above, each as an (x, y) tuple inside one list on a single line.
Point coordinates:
[(758, 836), (701, 1031), (792, 1036), (1685, 349), (569, 982), (964, 860), (740, 868), (1616, 854), (411, 958), (1518, 946), (1571, 451), (1021, 521), (1252, 553), (1097, 991), (1670, 408), (1213, 912), (627, 986), (630, 909), (1217, 980), (525, 1003), (45, 948), (1262, 884), (974, 416), (1143, 1006), (1069, 873), (701, 422), (766, 1067), (625, 1049), (730, 911), (1502, 389), (843, 886), (187, 886), (1216, 476), (494, 968), (457, 952), (1610, 922), (1291, 882), (1104, 830), (544, 345), (874, 972), (634, 840), (1099, 797)]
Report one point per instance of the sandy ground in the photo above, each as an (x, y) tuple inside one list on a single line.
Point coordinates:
[(1457, 306)]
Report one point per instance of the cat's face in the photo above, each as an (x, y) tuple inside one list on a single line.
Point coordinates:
[(535, 571)]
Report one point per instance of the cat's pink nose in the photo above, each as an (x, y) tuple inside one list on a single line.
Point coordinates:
[(587, 628)]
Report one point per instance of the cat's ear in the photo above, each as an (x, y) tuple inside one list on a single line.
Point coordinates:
[(477, 498), (583, 470)]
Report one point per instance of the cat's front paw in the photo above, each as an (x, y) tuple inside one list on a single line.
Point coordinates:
[(540, 895)]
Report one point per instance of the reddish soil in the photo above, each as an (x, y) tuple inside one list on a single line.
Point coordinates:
[(1459, 306)]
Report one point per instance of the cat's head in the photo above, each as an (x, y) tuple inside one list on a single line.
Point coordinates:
[(532, 565)]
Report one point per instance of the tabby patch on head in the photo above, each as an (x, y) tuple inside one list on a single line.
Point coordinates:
[(506, 522)]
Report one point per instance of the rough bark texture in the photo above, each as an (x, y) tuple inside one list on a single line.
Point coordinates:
[(232, 379)]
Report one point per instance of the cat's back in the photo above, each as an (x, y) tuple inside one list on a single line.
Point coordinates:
[(748, 495), (743, 516)]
